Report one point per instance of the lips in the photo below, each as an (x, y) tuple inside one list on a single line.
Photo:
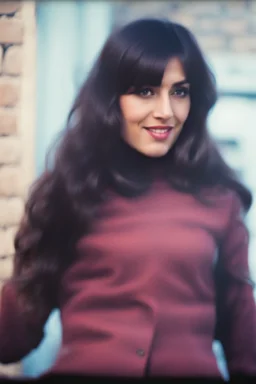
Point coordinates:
[(159, 128), (159, 132)]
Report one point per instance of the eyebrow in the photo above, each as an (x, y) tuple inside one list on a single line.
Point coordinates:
[(182, 82)]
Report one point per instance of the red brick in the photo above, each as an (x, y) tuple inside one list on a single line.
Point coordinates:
[(12, 62), (1, 58), (11, 31), (10, 181), (6, 243), (9, 92), (11, 211), (8, 121), (6, 267), (9, 150), (11, 370), (9, 7)]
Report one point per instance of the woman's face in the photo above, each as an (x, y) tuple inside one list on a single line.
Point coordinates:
[(154, 116)]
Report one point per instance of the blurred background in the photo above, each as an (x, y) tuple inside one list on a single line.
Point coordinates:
[(68, 36)]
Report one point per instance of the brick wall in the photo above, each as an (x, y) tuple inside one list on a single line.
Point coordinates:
[(218, 25), (17, 124)]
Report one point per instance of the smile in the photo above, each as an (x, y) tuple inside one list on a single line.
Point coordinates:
[(159, 130), (159, 133)]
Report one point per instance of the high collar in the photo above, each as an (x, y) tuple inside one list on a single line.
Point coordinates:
[(134, 163)]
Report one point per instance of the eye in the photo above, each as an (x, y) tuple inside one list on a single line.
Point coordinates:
[(181, 92), (145, 92)]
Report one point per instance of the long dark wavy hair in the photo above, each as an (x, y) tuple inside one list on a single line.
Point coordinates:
[(90, 156)]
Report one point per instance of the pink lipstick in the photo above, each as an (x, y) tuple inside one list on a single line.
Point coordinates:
[(159, 132)]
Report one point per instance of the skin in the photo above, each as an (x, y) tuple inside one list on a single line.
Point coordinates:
[(166, 105)]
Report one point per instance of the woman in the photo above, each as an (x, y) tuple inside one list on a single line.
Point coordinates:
[(134, 231)]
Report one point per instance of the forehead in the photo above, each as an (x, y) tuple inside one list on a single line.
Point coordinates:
[(173, 73)]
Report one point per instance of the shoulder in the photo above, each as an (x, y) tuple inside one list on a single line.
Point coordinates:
[(225, 197), (235, 228), (226, 203)]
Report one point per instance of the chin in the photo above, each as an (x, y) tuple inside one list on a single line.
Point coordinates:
[(156, 152)]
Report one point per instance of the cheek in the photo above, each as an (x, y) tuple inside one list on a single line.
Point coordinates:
[(182, 111), (133, 112)]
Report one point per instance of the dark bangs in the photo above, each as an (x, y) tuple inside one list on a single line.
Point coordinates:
[(144, 63), (198, 73), (143, 49)]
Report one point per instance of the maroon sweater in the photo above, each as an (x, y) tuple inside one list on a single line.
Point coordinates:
[(140, 298)]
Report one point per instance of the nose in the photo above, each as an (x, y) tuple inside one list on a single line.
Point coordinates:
[(163, 108)]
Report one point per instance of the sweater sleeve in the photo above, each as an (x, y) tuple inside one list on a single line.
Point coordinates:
[(18, 335), (236, 309)]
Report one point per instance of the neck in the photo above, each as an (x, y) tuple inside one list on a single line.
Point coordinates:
[(130, 157), (131, 168)]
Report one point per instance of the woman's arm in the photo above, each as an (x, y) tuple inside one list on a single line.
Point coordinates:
[(18, 333), (236, 308)]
